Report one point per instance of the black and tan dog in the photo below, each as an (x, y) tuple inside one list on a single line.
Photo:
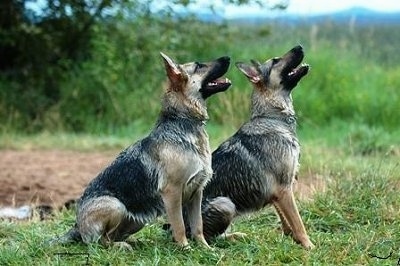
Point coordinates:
[(160, 173), (257, 166)]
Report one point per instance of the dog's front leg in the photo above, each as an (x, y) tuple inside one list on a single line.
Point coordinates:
[(285, 225), (172, 198), (286, 204), (195, 218)]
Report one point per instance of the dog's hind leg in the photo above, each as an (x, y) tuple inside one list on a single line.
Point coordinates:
[(286, 204), (172, 198), (218, 214), (99, 218), (126, 228)]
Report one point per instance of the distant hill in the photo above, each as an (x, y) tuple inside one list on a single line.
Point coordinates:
[(359, 15)]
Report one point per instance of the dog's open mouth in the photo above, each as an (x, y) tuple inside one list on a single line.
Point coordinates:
[(294, 69), (214, 82), (218, 85), (298, 72), (215, 86)]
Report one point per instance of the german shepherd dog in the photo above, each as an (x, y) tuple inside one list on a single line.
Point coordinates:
[(160, 173), (258, 165)]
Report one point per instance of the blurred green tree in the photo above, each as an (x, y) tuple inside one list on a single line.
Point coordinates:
[(36, 34), (42, 41)]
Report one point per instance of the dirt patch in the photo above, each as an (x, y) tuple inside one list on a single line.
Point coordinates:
[(47, 177), (54, 177), (307, 186)]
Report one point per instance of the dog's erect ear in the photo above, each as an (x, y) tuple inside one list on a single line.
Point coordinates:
[(174, 73), (257, 65), (251, 72)]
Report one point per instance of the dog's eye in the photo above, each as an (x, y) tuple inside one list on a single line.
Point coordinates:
[(199, 66), (275, 60)]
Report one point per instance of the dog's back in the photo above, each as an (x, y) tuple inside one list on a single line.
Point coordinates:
[(133, 179), (249, 163)]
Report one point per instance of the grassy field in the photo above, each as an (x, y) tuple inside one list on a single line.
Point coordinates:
[(348, 126), (356, 216)]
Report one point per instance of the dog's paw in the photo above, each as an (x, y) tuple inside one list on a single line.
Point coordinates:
[(305, 242), (209, 248), (185, 247), (234, 236), (308, 245), (202, 241), (204, 244), (183, 244), (123, 246)]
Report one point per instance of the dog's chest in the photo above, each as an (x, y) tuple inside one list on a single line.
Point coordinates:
[(194, 184), (287, 155), (201, 160), (187, 165), (202, 147)]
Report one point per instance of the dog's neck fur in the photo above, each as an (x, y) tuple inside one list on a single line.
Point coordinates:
[(166, 115), (288, 121), (194, 127), (175, 106), (273, 109)]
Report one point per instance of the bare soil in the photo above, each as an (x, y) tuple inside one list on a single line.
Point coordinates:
[(52, 177), (49, 177)]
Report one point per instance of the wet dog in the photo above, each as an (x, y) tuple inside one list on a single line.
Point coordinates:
[(258, 165), (160, 173)]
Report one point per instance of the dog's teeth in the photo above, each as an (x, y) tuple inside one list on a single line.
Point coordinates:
[(217, 82)]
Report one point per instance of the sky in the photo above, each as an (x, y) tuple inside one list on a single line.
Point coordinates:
[(299, 7), (315, 6), (307, 7)]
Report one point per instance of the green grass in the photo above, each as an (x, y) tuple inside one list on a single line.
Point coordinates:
[(358, 214), (90, 142)]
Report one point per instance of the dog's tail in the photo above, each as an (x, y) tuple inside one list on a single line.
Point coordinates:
[(72, 235), (218, 214)]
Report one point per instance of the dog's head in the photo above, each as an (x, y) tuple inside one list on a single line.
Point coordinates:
[(190, 84), (276, 78)]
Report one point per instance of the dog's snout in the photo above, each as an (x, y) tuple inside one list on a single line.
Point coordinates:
[(297, 48), (224, 59)]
